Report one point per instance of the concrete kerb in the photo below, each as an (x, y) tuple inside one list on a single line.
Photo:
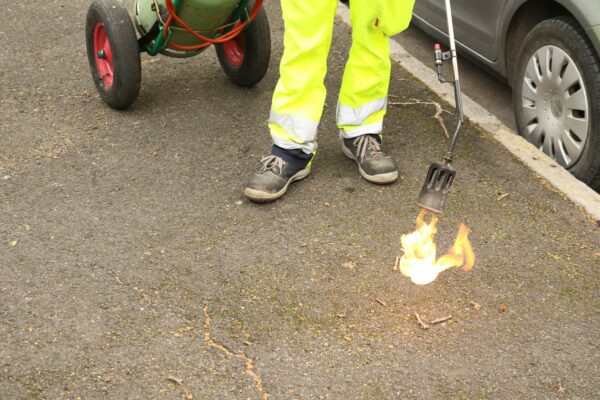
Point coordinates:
[(543, 165)]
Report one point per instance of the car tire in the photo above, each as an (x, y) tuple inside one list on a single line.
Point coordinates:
[(245, 58), (556, 96)]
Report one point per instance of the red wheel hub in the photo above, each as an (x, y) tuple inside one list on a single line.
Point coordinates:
[(103, 55), (234, 50)]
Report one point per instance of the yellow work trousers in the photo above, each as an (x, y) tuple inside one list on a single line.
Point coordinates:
[(300, 92)]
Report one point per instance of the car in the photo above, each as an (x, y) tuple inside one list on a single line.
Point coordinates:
[(549, 53)]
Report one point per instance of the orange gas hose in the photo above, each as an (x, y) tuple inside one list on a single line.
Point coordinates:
[(207, 41)]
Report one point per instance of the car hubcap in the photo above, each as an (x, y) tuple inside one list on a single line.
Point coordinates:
[(555, 105)]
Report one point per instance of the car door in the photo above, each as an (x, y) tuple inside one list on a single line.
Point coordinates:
[(476, 22)]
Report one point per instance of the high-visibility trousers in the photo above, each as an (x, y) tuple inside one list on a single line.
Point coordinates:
[(300, 92)]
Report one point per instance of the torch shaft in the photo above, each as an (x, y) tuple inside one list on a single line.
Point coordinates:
[(457, 93)]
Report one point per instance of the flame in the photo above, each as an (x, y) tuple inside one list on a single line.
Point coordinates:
[(419, 261)]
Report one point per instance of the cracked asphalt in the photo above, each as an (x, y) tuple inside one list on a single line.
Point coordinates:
[(131, 266)]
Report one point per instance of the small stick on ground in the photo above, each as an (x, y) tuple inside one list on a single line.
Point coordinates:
[(440, 320), (420, 321), (250, 367), (381, 302), (476, 306), (396, 264), (503, 196), (174, 379), (178, 381), (438, 111)]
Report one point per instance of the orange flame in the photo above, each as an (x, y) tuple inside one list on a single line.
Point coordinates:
[(419, 261)]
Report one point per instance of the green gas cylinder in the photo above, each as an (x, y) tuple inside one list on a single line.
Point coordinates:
[(204, 16)]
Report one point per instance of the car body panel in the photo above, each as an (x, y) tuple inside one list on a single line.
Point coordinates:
[(463, 50), (594, 35), (484, 41), (587, 12), (476, 24)]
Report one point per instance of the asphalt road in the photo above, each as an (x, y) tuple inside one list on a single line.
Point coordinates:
[(131, 266)]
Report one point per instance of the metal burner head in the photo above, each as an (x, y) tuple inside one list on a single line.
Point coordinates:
[(436, 187)]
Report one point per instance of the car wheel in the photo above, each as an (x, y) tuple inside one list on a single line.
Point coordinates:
[(556, 95)]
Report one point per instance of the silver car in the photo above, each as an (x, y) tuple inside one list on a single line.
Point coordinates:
[(548, 51)]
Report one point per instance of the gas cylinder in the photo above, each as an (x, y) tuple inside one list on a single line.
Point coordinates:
[(204, 16)]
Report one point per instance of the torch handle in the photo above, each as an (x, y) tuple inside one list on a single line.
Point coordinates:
[(451, 38), (457, 93)]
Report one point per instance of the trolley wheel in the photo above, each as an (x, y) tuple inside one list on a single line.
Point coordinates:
[(245, 58), (113, 53)]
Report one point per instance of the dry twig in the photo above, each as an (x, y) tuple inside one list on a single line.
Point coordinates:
[(420, 321), (559, 387), (503, 196), (174, 379), (381, 302), (179, 381), (396, 264), (250, 367), (440, 320), (438, 111)]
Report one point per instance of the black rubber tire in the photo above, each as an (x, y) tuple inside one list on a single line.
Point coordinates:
[(564, 32), (125, 53), (257, 52)]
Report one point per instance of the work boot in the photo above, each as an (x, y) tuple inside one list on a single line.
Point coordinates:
[(373, 164), (272, 179)]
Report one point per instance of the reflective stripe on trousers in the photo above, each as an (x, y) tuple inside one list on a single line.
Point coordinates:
[(300, 93), (291, 132), (356, 121)]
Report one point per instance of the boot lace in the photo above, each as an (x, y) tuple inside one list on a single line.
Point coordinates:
[(364, 143), (271, 163)]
